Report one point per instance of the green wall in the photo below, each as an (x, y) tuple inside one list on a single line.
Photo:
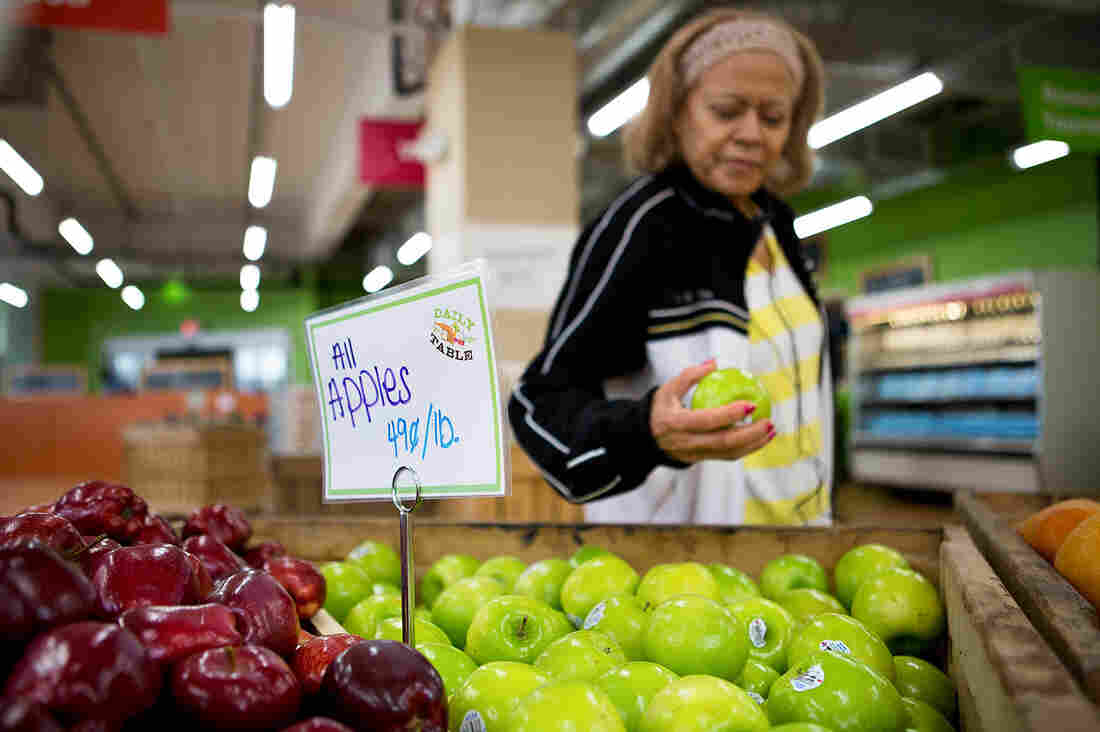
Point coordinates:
[(987, 218)]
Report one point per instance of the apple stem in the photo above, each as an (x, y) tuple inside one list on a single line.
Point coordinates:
[(523, 626), (232, 658), (76, 554)]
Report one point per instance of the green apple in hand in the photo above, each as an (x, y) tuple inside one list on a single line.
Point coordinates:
[(805, 603), (695, 635), (860, 563), (595, 581), (703, 704), (453, 665), (345, 585), (514, 628), (378, 560), (424, 631), (665, 581), (768, 628), (624, 619), (733, 584), (903, 608), (841, 634), (456, 606), (790, 572), (506, 570), (567, 706), (631, 687), (543, 580), (586, 552), (583, 655), (924, 717), (722, 386), (491, 696), (916, 678), (445, 571), (757, 677)]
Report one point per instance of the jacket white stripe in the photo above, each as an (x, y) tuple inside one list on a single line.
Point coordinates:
[(696, 307), (539, 430)]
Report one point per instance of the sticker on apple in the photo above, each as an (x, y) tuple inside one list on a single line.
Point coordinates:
[(811, 678), (756, 697), (836, 646), (472, 722), (758, 632), (595, 616)]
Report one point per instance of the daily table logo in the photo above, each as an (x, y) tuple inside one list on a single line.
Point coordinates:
[(452, 334)]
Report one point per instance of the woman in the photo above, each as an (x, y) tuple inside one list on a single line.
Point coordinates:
[(695, 266)]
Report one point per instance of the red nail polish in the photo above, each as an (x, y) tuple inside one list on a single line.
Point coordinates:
[(770, 425), (750, 409)]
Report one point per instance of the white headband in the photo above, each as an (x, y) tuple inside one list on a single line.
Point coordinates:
[(740, 35)]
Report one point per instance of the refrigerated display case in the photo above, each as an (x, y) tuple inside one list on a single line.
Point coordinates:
[(990, 384)]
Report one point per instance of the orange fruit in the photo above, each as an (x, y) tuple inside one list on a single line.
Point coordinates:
[(1077, 559), (1046, 530)]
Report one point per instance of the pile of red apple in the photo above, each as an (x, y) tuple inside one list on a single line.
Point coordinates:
[(109, 620)]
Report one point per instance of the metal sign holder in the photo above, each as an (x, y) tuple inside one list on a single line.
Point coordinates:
[(408, 598)]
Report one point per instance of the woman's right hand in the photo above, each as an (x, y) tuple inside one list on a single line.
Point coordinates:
[(692, 435)]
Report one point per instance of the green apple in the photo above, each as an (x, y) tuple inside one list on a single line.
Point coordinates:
[(839, 691), (768, 627), (665, 581), (543, 580), (861, 562), (757, 677), (363, 619), (583, 655), (586, 552), (805, 603), (593, 582), (378, 560), (790, 572), (799, 727), (924, 717), (345, 585), (691, 634), (514, 628), (453, 665), (423, 630), (841, 634), (491, 695), (384, 588), (456, 606), (631, 687), (919, 679), (567, 706), (722, 386), (903, 608), (445, 571), (624, 619), (504, 569), (733, 584), (702, 704)]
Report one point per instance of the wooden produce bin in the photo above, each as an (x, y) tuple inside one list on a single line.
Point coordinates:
[(1008, 678), (178, 466)]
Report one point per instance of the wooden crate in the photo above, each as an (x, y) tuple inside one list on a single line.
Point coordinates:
[(1009, 679), (178, 466)]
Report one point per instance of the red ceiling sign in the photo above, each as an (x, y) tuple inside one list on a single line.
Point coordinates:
[(131, 16), (380, 163)]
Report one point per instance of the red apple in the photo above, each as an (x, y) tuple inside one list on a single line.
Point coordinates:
[(302, 580), (384, 685), (55, 530), (219, 560), (87, 671), (259, 554), (148, 574), (318, 724), (98, 547), (97, 507), (225, 523), (313, 656), (265, 612), (24, 715), (237, 687), (38, 591), (172, 633), (155, 530)]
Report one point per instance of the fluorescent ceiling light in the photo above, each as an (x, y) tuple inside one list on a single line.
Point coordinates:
[(832, 216), (76, 235), (250, 277), (872, 110), (415, 248), (12, 295), (19, 170), (109, 272), (133, 297), (261, 181), (1038, 153), (250, 300), (255, 241), (278, 53), (377, 278), (620, 110)]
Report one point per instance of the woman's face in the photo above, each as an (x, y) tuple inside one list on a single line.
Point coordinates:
[(735, 122)]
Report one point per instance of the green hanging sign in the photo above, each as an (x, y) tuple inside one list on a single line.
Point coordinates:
[(1062, 104)]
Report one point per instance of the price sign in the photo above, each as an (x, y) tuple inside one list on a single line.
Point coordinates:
[(409, 379)]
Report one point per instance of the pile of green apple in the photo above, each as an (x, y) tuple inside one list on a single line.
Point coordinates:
[(589, 644)]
